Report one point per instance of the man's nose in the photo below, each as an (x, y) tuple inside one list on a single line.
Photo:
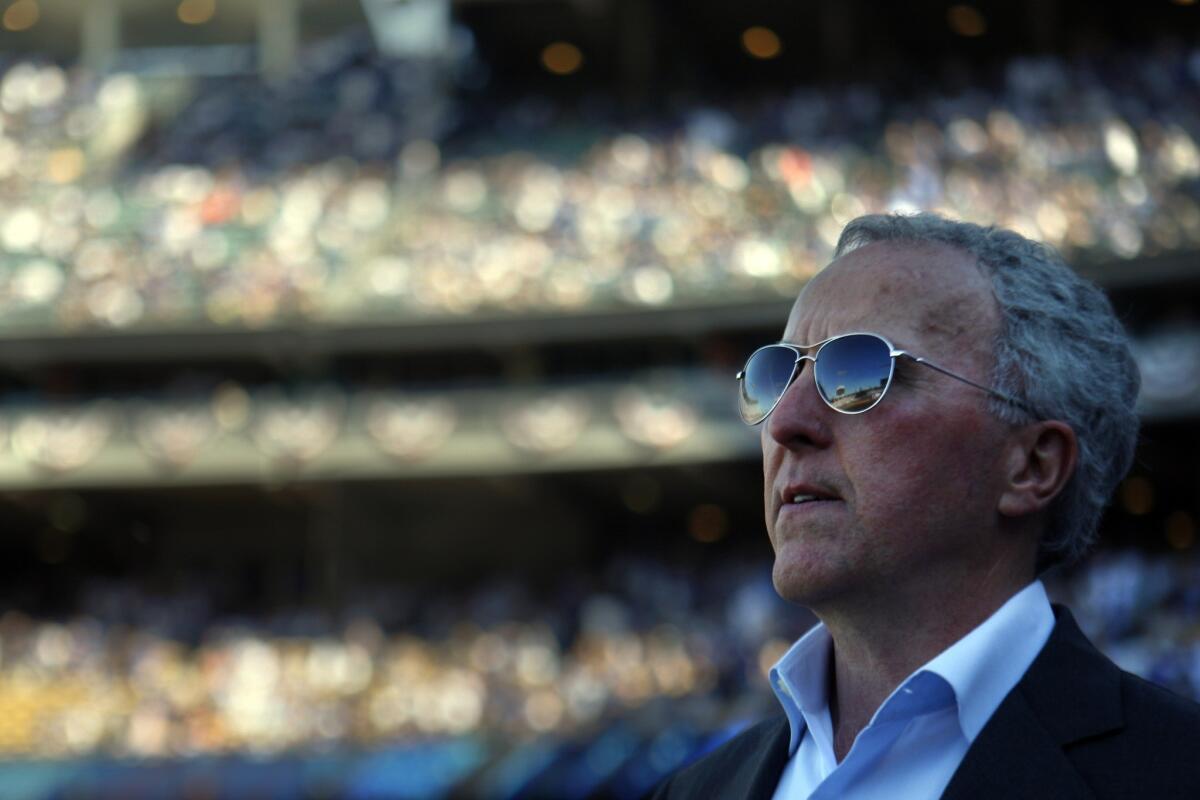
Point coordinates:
[(801, 416)]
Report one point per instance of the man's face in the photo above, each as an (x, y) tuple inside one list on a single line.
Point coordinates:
[(914, 482)]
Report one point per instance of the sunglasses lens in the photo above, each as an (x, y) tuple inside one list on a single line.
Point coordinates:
[(853, 372), (764, 381)]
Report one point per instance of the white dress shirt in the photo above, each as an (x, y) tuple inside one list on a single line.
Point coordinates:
[(917, 738)]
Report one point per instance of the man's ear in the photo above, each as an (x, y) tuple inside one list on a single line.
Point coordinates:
[(1041, 460)]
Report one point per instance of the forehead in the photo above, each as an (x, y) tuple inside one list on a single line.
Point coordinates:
[(910, 293)]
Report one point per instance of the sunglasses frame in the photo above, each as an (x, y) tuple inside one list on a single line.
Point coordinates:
[(801, 353)]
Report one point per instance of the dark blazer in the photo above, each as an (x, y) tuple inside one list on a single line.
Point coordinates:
[(1074, 726)]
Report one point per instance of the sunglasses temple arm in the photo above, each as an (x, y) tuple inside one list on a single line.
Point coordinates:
[(967, 381)]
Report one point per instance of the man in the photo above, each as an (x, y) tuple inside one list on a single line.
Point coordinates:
[(948, 412)]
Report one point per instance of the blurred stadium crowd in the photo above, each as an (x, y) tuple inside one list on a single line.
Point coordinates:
[(293, 427), (646, 648), (127, 680), (252, 204)]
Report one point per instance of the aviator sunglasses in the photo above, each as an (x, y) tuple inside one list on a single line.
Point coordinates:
[(852, 373)]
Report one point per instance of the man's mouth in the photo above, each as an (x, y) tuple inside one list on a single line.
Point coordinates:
[(806, 495)]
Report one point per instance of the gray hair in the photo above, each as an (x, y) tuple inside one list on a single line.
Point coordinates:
[(1060, 349)]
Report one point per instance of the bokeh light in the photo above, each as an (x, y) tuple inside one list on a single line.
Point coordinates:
[(708, 523), (1137, 495), (761, 42), (966, 21), (1181, 530), (22, 15), (196, 12), (562, 58)]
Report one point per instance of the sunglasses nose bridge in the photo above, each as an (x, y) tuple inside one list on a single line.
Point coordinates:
[(798, 369)]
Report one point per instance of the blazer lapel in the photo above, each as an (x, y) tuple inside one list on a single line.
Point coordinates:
[(1014, 756), (767, 766), (1070, 692)]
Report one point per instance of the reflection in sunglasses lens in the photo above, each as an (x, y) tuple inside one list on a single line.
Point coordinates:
[(767, 375), (853, 372)]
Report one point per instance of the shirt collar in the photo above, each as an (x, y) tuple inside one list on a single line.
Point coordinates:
[(984, 666), (799, 680), (980, 668)]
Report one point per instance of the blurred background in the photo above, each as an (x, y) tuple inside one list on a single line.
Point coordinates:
[(368, 424)]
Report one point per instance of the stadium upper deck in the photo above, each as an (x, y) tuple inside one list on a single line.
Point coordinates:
[(253, 207)]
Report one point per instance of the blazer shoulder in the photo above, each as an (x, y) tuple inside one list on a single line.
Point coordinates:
[(757, 753), (1151, 754), (1152, 707)]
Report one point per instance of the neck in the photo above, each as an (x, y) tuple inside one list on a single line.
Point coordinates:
[(878, 645)]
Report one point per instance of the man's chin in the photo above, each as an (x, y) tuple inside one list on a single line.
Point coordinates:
[(797, 583), (811, 584)]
